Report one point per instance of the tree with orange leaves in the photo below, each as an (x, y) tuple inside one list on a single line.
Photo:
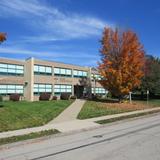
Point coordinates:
[(122, 61), (2, 37)]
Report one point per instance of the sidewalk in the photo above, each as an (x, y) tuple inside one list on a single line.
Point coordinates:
[(73, 125), (69, 114)]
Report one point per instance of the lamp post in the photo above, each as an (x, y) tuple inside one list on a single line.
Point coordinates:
[(130, 97), (147, 96)]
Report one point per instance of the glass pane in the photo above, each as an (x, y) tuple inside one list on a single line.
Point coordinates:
[(11, 71), (12, 66), (36, 68), (19, 67), (48, 69), (35, 89), (68, 90), (41, 89), (11, 91), (56, 86), (41, 85), (63, 71), (63, 86), (11, 86), (75, 72), (3, 65), (63, 90), (3, 86), (41, 69), (19, 71), (3, 70), (19, 87), (35, 85), (68, 72), (19, 91), (68, 86), (80, 73), (85, 74), (57, 70), (3, 91), (48, 86), (56, 90), (49, 90)]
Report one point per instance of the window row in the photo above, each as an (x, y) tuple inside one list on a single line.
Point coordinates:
[(62, 72), (42, 70), (47, 88), (98, 90), (96, 76), (11, 89), (38, 69), (11, 69)]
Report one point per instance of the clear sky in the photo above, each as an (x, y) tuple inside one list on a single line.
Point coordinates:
[(70, 30)]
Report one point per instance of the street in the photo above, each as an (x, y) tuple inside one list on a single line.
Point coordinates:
[(136, 139)]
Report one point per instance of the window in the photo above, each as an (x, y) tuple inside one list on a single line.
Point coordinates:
[(79, 74), (43, 70), (99, 90), (11, 69), (60, 88), (42, 88), (7, 89), (63, 72), (96, 76)]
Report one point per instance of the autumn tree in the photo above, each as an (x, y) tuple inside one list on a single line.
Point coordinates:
[(2, 37), (122, 61)]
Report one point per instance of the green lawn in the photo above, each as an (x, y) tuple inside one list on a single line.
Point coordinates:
[(95, 109), (17, 115)]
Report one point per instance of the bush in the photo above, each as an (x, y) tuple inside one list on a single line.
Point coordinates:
[(14, 97), (1, 98), (65, 96), (73, 97), (44, 97), (1, 101), (54, 98)]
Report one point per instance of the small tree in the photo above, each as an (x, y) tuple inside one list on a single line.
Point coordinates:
[(151, 79), (2, 37), (122, 61)]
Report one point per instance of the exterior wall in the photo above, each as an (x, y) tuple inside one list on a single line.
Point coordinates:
[(30, 78)]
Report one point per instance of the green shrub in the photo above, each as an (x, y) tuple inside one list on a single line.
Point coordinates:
[(65, 96), (14, 97), (73, 97), (54, 98), (44, 97)]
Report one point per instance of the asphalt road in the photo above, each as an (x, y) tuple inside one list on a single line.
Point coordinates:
[(137, 139)]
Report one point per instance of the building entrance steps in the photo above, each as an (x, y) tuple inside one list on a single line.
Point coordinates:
[(70, 113)]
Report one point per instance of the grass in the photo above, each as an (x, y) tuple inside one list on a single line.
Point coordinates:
[(97, 108), (126, 117), (17, 115), (28, 136)]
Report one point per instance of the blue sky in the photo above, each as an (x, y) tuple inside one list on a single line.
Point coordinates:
[(70, 30)]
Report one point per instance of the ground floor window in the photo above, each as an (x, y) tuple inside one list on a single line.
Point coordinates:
[(7, 89), (99, 90), (61, 88), (42, 88)]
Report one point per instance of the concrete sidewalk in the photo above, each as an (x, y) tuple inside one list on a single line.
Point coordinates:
[(70, 126), (69, 114)]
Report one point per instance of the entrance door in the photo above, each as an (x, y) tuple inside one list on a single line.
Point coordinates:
[(78, 91)]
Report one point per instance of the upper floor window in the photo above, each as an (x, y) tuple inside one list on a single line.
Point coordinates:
[(7, 89), (79, 74), (96, 76), (45, 70), (63, 72), (11, 69)]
